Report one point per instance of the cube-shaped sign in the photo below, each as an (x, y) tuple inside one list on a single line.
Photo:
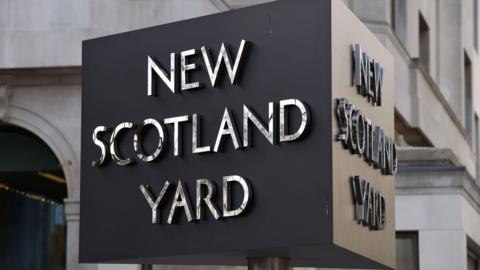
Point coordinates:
[(263, 131)]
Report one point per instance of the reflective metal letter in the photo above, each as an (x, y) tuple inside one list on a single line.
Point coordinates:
[(361, 69), (226, 195), (351, 141), (229, 129), (176, 130), (383, 213), (113, 151), (360, 190), (184, 67), (248, 116), (101, 144), (378, 84), (358, 131), (378, 149), (379, 212), (196, 136), (170, 82), (180, 193), (232, 71), (137, 140), (369, 219), (342, 120), (394, 158), (369, 140), (283, 123), (154, 203), (387, 170), (207, 199), (370, 85)]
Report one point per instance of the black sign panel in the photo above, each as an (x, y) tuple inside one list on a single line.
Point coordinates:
[(289, 212)]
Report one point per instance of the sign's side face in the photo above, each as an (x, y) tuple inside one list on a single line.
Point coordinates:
[(143, 107), (363, 181)]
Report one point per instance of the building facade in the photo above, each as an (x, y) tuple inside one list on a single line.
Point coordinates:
[(435, 47)]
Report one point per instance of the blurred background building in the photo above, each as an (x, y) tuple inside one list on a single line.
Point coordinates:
[(435, 44)]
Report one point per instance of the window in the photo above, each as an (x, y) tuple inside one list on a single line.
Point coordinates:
[(398, 18), (472, 261), (475, 24), (407, 250), (393, 16), (477, 147), (424, 40), (468, 96)]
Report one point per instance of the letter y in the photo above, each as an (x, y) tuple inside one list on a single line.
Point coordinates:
[(150, 200)]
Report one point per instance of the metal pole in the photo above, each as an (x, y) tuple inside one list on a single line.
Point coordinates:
[(268, 263)]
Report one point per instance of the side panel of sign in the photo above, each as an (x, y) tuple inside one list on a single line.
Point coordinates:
[(362, 134)]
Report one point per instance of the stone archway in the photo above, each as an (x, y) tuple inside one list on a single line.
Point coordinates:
[(46, 131), (29, 106), (32, 190)]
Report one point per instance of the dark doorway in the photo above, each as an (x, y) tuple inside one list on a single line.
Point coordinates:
[(32, 189), (424, 40)]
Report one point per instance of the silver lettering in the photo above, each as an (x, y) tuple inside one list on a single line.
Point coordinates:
[(170, 82), (184, 67), (154, 203), (227, 212), (176, 131), (100, 144), (227, 127), (224, 56), (206, 199), (180, 200), (249, 116)]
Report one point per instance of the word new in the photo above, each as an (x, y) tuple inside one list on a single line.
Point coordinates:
[(170, 80), (367, 76), (362, 137), (370, 208), (205, 197)]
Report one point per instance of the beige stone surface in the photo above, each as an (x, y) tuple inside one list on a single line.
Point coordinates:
[(377, 245)]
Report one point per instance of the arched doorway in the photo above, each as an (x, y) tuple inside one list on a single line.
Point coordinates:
[(32, 190)]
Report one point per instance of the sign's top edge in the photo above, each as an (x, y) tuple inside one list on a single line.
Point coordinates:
[(220, 13)]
